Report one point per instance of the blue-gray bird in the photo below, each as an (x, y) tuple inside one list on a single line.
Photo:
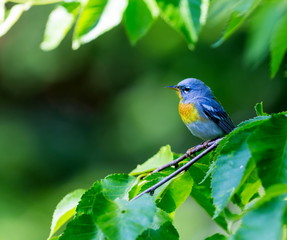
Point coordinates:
[(200, 111)]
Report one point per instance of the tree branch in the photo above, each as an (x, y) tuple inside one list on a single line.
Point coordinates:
[(211, 145), (188, 153)]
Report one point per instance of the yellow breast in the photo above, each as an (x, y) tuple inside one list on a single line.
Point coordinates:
[(188, 112)]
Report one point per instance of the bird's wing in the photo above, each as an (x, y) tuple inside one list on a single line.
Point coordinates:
[(214, 111)]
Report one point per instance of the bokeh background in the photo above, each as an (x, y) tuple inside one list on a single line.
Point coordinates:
[(68, 118)]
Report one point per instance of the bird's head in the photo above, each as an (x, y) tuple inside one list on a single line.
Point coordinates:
[(191, 88)]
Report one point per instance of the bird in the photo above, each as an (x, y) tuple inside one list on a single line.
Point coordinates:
[(200, 111)]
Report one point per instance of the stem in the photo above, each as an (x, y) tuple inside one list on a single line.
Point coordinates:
[(188, 153), (181, 169)]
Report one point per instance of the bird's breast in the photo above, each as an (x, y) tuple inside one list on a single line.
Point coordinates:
[(188, 112)]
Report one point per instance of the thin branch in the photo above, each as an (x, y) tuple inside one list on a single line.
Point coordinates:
[(181, 169), (188, 153)]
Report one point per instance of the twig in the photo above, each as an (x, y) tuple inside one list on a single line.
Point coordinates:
[(181, 169), (188, 153)]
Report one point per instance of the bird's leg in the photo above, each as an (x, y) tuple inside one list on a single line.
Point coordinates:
[(189, 153), (176, 172), (207, 143), (192, 151), (172, 163)]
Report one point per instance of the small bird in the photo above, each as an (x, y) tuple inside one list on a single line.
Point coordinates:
[(200, 111)]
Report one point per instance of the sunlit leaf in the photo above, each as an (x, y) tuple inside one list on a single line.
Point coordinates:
[(65, 210), (278, 44), (198, 9), (13, 15), (59, 23), (250, 188), (272, 192), (162, 157), (97, 17), (153, 7), (138, 19), (259, 109), (37, 2), (185, 16)]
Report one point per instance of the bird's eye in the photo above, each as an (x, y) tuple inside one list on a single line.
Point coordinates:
[(186, 89)]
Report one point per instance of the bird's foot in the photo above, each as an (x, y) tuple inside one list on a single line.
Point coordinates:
[(206, 143)]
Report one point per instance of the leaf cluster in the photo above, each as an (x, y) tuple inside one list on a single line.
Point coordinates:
[(266, 21), (242, 185)]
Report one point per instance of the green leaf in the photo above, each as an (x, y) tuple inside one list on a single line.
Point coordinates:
[(198, 9), (175, 193), (65, 210), (255, 120), (270, 152), (138, 19), (162, 157), (153, 7), (88, 199), (264, 222), (123, 219), (239, 13), (152, 179), (37, 2), (166, 231), (59, 23), (161, 228), (103, 211), (184, 16), (82, 228), (232, 158), (216, 236), (278, 44), (259, 109), (97, 17), (201, 193), (250, 188), (112, 186), (117, 185), (261, 30), (272, 192), (12, 17)]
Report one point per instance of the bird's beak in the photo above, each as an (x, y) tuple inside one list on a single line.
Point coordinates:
[(173, 87), (176, 88)]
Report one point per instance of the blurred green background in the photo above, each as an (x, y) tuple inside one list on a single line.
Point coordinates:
[(68, 118)]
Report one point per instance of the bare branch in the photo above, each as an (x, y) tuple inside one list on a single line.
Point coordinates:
[(188, 153), (151, 190)]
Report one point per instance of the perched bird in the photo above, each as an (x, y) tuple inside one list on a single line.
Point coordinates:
[(200, 111)]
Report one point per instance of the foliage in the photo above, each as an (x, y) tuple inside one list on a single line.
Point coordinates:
[(91, 18), (245, 193)]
